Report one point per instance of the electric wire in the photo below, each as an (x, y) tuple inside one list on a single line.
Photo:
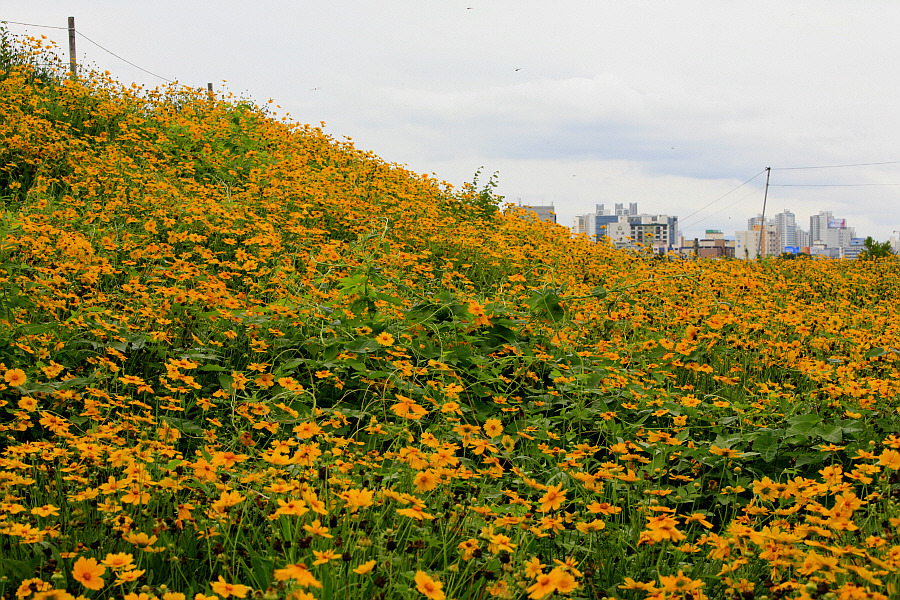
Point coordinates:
[(828, 184), (33, 25), (869, 164), (723, 196), (107, 50), (124, 60), (757, 190)]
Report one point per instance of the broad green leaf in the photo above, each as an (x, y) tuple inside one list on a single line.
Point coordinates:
[(767, 445), (829, 433)]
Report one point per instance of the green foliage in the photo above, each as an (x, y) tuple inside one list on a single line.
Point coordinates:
[(874, 250), (478, 203), (42, 65)]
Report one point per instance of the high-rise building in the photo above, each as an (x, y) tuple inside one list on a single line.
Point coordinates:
[(857, 245), (627, 228), (838, 235), (830, 235), (772, 243), (579, 225), (818, 224), (747, 243), (628, 212), (545, 213), (786, 225)]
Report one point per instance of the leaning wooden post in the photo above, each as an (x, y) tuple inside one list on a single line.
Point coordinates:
[(73, 64)]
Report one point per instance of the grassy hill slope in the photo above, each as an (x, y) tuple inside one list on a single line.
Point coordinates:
[(240, 357)]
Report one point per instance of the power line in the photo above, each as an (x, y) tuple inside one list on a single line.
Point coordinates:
[(723, 196), (122, 59), (888, 162), (829, 184), (107, 50), (724, 208), (33, 25)]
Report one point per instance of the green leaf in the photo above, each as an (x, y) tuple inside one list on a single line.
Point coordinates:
[(17, 568), (829, 433), (767, 445), (185, 426), (547, 302), (802, 424), (361, 345), (811, 458), (876, 352), (853, 426)]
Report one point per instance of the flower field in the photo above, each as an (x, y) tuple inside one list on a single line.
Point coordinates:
[(240, 358)]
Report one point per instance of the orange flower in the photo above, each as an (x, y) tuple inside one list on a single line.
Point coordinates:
[(225, 589), (493, 427), (35, 584), (299, 573), (27, 403), (88, 573), (408, 408), (553, 499), (324, 556), (385, 339), (122, 560), (544, 584), (477, 310), (15, 377), (415, 512), (603, 508), (428, 586), (890, 459), (501, 543), (426, 480), (591, 526), (660, 528), (364, 568), (680, 583), (468, 548), (45, 511), (316, 528), (292, 507), (357, 499), (306, 430), (565, 581), (534, 567)]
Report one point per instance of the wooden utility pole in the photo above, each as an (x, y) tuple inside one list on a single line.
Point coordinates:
[(73, 64), (209, 90), (763, 241)]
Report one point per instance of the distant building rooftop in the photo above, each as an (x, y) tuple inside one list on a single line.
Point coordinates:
[(544, 212)]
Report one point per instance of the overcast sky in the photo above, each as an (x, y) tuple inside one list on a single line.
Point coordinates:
[(668, 104)]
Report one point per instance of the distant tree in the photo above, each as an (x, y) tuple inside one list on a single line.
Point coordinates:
[(875, 249)]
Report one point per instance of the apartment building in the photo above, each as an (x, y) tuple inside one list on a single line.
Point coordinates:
[(626, 228)]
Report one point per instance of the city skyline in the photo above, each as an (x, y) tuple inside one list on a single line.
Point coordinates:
[(626, 227)]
